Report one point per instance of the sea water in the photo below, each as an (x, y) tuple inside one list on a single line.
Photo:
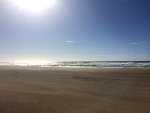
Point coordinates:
[(85, 64)]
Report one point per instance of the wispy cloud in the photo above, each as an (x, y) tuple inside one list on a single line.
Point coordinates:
[(137, 43), (70, 41)]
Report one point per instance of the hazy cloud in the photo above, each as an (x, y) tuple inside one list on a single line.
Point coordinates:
[(123, 57)]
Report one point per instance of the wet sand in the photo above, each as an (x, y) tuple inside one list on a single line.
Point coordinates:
[(78, 90)]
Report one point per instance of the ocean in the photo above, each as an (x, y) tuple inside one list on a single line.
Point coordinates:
[(86, 64)]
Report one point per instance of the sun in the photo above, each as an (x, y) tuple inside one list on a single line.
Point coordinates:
[(33, 5)]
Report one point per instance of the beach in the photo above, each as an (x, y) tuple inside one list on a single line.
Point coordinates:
[(34, 89)]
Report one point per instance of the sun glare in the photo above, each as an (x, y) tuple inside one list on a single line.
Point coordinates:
[(33, 5), (31, 62)]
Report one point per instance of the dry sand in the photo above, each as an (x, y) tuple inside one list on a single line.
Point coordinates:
[(66, 90)]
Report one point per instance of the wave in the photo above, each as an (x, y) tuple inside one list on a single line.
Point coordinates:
[(91, 64)]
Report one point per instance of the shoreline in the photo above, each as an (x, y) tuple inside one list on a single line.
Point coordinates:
[(69, 67)]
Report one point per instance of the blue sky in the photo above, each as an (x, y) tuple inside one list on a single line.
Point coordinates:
[(77, 30)]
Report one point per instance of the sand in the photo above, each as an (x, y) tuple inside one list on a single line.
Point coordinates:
[(78, 90)]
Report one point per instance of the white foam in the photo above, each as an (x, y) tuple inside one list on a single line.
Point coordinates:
[(83, 64)]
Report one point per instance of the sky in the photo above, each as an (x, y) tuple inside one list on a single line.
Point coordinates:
[(73, 30)]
